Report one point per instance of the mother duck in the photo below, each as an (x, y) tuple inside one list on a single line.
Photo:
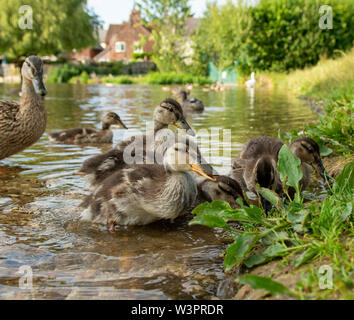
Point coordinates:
[(22, 124)]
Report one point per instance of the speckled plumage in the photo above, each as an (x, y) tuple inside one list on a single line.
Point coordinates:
[(141, 194), (88, 135), (23, 123)]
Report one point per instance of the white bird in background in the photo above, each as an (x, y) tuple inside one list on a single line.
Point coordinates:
[(251, 83)]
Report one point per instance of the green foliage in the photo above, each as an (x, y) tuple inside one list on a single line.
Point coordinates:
[(57, 26), (313, 229), (273, 35), (168, 19), (264, 283), (119, 80), (174, 78)]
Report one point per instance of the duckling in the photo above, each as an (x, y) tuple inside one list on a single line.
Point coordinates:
[(89, 135), (223, 188), (142, 194), (191, 104), (308, 151), (22, 124), (258, 160), (168, 112)]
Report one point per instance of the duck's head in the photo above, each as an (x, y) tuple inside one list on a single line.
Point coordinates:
[(32, 69), (112, 118), (169, 112), (308, 151), (179, 157), (183, 94), (224, 188)]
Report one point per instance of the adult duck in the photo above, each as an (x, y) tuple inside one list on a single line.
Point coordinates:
[(23, 123), (89, 135), (190, 104), (142, 194)]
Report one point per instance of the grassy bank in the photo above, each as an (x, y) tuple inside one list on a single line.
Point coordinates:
[(300, 249), (327, 86), (86, 74)]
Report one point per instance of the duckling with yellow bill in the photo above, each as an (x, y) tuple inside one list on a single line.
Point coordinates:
[(142, 194)]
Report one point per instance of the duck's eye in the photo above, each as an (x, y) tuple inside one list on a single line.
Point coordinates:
[(307, 148)]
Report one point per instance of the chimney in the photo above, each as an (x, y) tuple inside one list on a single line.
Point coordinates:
[(135, 17)]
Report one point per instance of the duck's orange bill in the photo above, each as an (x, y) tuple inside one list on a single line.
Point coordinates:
[(121, 124), (197, 169)]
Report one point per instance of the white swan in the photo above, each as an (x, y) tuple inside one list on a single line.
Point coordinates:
[(251, 83)]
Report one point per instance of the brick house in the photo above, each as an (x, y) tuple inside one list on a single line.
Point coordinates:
[(122, 40), (87, 55)]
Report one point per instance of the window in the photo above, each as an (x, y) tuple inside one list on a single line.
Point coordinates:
[(120, 47), (137, 47)]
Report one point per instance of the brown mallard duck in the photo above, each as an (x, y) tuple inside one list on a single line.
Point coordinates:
[(142, 194), (190, 104), (168, 112), (89, 135), (23, 123)]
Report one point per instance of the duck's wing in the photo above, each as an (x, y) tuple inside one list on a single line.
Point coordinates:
[(8, 111), (70, 134), (256, 147)]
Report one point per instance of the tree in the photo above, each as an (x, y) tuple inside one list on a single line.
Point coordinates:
[(167, 19), (56, 26)]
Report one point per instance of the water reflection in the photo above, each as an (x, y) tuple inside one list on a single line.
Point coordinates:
[(39, 195)]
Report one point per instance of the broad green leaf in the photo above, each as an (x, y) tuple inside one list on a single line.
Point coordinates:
[(211, 208), (289, 166), (347, 211), (255, 260), (298, 218), (345, 181), (325, 151), (210, 221), (254, 213), (257, 282), (271, 196), (281, 136), (275, 250), (238, 250), (305, 257)]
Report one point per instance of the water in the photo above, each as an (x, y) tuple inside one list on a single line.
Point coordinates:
[(39, 196)]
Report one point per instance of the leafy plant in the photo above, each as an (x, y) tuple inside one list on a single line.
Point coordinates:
[(310, 230)]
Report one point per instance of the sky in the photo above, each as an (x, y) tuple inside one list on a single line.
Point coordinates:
[(117, 11)]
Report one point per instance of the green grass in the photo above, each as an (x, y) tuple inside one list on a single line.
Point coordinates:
[(331, 82)]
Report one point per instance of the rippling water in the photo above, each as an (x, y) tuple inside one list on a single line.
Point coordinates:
[(39, 196)]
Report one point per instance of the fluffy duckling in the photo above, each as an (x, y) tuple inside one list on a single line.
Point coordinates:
[(142, 194), (223, 188), (191, 104), (258, 160), (168, 112), (89, 135), (22, 124)]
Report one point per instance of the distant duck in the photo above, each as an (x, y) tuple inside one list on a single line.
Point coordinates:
[(251, 83), (142, 194), (23, 123), (190, 104), (89, 135)]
